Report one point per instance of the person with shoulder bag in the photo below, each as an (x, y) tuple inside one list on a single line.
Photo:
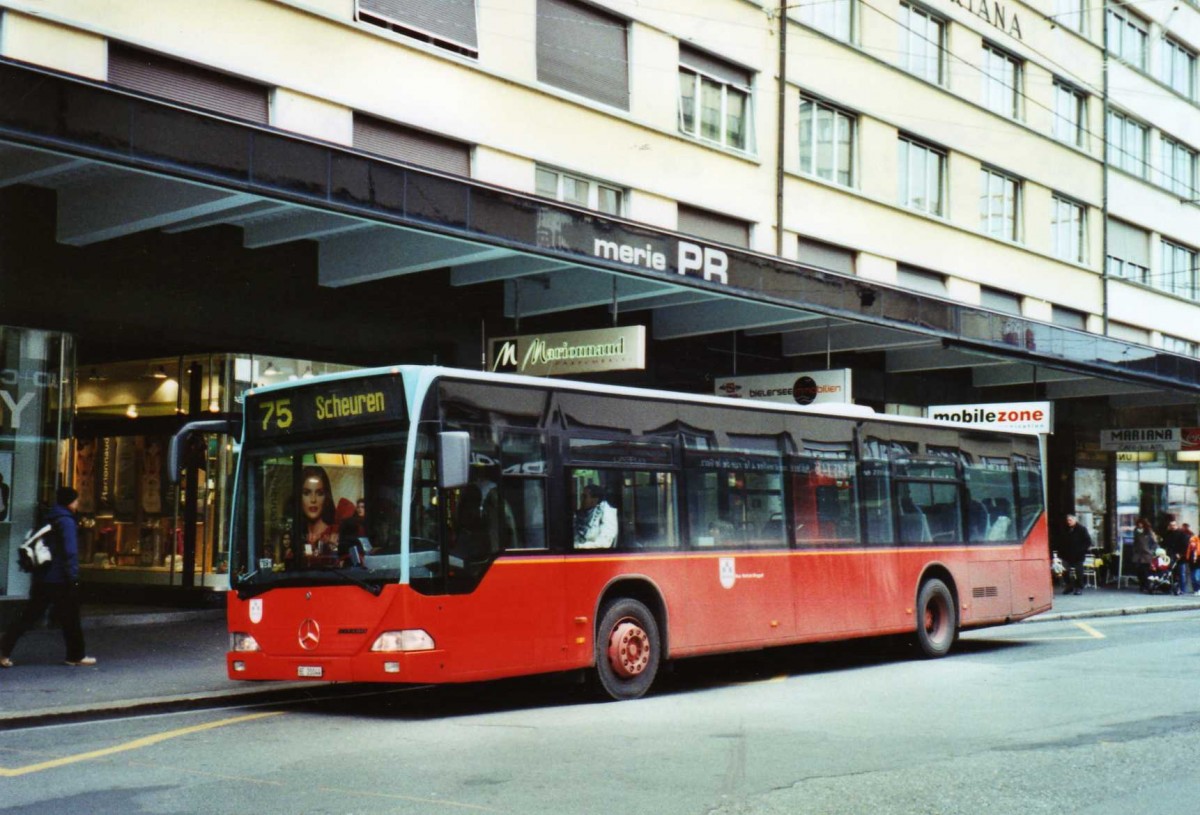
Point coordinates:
[(57, 585)]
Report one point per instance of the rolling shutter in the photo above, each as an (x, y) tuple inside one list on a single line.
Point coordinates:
[(707, 224), (157, 75), (584, 51), (452, 20), (716, 68), (414, 146)]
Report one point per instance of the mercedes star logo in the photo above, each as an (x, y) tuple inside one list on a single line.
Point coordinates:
[(310, 634)]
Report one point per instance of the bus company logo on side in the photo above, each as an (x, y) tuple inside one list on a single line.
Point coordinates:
[(256, 610), (704, 262), (728, 572)]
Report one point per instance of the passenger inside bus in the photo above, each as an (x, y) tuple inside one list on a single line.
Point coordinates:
[(595, 521)]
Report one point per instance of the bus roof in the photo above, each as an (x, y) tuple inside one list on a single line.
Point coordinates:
[(425, 374)]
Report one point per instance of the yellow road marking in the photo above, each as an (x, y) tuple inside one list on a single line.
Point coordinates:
[(1092, 634), (136, 744)]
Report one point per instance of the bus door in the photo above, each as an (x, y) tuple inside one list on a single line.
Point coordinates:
[(504, 601), (825, 524)]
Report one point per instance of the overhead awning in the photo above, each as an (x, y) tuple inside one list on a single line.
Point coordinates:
[(121, 163)]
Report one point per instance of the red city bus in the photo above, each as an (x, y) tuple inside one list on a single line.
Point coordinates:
[(422, 525)]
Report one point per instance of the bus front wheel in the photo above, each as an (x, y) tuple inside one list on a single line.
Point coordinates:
[(937, 618), (628, 649)]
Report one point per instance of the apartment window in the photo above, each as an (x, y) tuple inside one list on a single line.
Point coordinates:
[(414, 146), (1070, 114), (1127, 36), (1128, 252), (834, 17), (714, 99), (1178, 273), (708, 224), (999, 204), (583, 50), (922, 280), (1127, 144), (823, 255), (1179, 67), (998, 300), (1001, 82), (1178, 168), (1067, 225), (584, 192), (1071, 14), (190, 84), (1068, 318), (922, 43), (826, 142), (448, 24), (922, 176), (1178, 345)]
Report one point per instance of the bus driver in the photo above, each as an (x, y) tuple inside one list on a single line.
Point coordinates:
[(596, 520)]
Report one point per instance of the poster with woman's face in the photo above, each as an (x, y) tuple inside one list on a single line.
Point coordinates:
[(6, 461), (85, 474)]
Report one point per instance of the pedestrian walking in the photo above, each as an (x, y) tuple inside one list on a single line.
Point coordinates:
[(57, 585), (1076, 542), (1144, 544)]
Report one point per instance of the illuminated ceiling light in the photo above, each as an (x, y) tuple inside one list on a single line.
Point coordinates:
[(160, 372), (131, 411), (270, 370)]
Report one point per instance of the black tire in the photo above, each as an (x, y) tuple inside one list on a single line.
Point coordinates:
[(628, 649), (937, 619)]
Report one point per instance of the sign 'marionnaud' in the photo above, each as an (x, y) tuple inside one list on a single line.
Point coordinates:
[(570, 352)]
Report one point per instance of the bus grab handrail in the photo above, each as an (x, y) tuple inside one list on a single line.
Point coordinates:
[(174, 449)]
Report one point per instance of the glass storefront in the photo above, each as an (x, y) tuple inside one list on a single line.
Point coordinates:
[(36, 398), (136, 527)]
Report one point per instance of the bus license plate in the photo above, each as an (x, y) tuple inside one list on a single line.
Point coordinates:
[(311, 671)]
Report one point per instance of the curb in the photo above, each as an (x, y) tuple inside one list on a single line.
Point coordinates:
[(1113, 612), (265, 693)]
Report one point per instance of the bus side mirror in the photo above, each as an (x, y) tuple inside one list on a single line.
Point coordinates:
[(454, 458)]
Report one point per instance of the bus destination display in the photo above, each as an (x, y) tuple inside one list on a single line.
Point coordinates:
[(325, 406)]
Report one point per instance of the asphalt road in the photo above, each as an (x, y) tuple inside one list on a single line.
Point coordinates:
[(1094, 717)]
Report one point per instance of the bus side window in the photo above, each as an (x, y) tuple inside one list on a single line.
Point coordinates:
[(875, 487)]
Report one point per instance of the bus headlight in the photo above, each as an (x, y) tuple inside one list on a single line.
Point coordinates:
[(242, 642), (411, 639)]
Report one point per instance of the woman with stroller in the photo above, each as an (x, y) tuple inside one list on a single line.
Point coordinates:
[(1144, 544)]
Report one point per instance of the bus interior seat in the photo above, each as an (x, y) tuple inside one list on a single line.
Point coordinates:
[(914, 526)]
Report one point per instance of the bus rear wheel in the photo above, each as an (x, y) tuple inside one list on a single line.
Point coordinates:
[(628, 649), (937, 619)]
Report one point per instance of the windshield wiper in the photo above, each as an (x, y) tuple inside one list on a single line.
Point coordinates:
[(375, 588)]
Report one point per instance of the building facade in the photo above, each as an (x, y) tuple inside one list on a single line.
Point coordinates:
[(961, 202)]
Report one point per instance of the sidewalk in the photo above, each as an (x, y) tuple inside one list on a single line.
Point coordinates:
[(161, 657)]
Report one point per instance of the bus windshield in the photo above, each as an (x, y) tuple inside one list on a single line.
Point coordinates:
[(321, 513)]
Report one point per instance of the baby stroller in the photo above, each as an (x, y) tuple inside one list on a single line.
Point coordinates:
[(1161, 579)]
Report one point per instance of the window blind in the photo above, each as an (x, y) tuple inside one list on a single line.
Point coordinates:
[(452, 20), (1128, 243), (825, 256), (706, 224), (713, 66), (584, 51), (157, 75), (414, 146)]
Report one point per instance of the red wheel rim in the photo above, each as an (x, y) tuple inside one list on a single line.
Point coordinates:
[(628, 649)]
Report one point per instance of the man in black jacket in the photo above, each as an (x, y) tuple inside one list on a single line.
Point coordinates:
[(1076, 542)]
